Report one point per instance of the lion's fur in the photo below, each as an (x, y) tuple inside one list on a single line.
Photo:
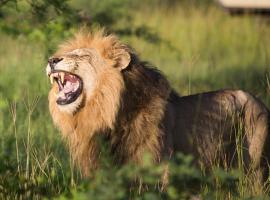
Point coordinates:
[(109, 47), (135, 98), (137, 111)]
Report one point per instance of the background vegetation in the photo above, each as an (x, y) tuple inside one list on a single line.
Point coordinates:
[(195, 43)]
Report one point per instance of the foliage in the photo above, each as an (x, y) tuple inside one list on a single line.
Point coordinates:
[(51, 20), (143, 182)]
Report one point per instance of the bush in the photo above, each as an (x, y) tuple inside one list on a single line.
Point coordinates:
[(144, 182)]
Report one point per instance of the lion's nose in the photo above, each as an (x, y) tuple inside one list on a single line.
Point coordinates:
[(53, 61)]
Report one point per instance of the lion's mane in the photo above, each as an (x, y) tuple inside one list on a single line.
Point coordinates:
[(126, 107)]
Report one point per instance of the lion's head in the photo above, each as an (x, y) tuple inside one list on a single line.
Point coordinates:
[(77, 68)]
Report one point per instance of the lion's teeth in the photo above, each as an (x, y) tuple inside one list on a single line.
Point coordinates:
[(51, 79), (62, 76)]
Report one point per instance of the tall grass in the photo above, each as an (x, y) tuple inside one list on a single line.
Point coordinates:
[(34, 162), (198, 49), (207, 49)]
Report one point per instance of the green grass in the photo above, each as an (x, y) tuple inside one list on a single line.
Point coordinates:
[(198, 50), (33, 159), (207, 49)]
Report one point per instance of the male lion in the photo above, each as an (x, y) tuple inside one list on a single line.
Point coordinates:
[(101, 87)]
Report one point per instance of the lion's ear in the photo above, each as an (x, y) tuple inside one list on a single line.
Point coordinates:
[(122, 59)]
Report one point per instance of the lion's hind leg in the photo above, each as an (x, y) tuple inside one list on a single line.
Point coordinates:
[(255, 118)]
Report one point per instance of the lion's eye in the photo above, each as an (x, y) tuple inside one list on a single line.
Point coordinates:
[(84, 56)]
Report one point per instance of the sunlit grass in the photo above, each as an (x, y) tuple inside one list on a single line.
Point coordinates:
[(34, 162), (207, 49)]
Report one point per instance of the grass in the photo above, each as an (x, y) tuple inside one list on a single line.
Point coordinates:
[(211, 49), (198, 49), (31, 150)]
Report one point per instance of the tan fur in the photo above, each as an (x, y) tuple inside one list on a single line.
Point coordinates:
[(134, 107), (109, 47), (102, 109), (99, 113)]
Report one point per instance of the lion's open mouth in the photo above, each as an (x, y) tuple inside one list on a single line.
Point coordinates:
[(69, 86)]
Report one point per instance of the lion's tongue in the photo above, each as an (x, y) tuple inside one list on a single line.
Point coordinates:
[(68, 88)]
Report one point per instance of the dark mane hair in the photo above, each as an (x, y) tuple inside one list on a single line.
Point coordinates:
[(144, 97)]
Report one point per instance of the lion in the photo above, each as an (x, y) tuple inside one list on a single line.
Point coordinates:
[(101, 87)]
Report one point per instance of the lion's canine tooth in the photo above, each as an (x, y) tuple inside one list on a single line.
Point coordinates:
[(62, 76), (51, 79)]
